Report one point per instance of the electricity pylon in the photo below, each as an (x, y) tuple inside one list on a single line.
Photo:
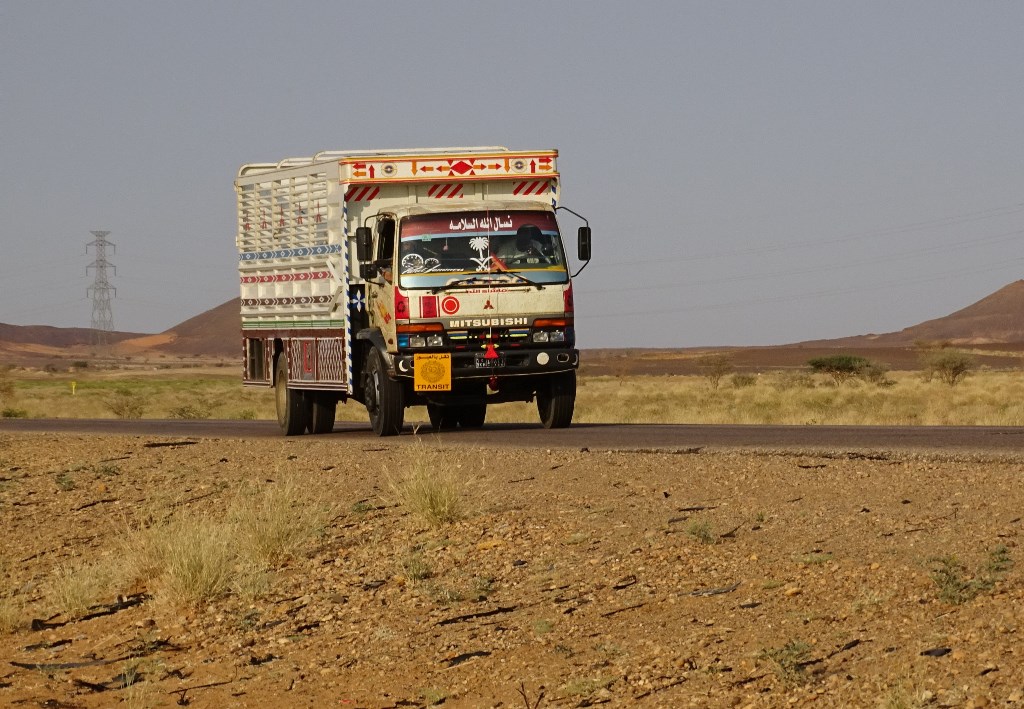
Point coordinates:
[(100, 290)]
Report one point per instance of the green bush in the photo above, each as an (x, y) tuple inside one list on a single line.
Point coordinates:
[(841, 368), (949, 366), (126, 404), (201, 408), (714, 366)]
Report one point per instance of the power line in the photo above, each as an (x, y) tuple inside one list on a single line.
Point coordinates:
[(949, 220), (847, 290), (888, 258)]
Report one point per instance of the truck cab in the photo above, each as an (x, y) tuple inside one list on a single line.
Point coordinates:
[(467, 307)]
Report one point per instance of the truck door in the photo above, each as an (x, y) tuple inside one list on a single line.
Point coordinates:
[(380, 291)]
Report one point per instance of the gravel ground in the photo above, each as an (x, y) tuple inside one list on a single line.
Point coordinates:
[(575, 578)]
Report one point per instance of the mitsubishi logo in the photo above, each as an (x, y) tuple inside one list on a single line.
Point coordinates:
[(488, 306)]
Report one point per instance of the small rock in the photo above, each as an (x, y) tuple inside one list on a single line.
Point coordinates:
[(793, 591)]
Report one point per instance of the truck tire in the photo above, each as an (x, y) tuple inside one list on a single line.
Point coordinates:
[(472, 415), (556, 401), (383, 398), (324, 409), (292, 407), (442, 418)]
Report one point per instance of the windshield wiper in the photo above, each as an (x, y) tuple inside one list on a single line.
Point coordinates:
[(520, 276), (474, 280), (467, 281)]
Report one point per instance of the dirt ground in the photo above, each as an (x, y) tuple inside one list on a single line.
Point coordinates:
[(577, 578)]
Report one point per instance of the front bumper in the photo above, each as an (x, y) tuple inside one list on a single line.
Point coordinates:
[(517, 362)]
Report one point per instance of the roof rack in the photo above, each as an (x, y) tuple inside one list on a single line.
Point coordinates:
[(338, 154), (333, 154)]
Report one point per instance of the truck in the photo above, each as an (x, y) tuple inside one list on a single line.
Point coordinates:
[(429, 277)]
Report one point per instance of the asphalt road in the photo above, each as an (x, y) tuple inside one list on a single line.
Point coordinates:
[(647, 437)]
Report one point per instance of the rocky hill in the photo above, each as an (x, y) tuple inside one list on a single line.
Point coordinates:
[(994, 323), (997, 318)]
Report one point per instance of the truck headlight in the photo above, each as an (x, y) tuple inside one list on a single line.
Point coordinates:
[(417, 341), (542, 336), (435, 341)]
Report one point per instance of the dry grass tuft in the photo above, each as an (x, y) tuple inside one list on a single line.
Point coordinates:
[(192, 559), (12, 614), (274, 521), (74, 589), (431, 491), (198, 562)]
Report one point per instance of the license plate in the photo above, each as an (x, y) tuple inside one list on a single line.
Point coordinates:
[(484, 363)]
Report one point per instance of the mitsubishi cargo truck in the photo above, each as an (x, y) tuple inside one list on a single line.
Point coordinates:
[(398, 278)]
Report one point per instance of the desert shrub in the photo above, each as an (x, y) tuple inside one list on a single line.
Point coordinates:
[(878, 374), (201, 408), (11, 412), (6, 385), (786, 381), (956, 585), (416, 568), (949, 366), (702, 532), (789, 662), (714, 366), (126, 404), (742, 381), (189, 411), (841, 367)]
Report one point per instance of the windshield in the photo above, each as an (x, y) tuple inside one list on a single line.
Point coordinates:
[(467, 248)]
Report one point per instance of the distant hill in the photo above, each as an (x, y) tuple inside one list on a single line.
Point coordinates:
[(55, 336), (215, 333), (998, 318), (987, 325)]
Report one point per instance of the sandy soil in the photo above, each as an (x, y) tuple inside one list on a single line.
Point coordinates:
[(578, 577)]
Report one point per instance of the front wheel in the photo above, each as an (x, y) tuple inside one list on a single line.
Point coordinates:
[(556, 400), (292, 409), (383, 397)]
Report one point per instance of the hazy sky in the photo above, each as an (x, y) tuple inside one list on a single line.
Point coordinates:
[(754, 172)]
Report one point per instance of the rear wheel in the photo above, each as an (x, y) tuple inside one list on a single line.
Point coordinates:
[(383, 398), (324, 409), (292, 408), (556, 401)]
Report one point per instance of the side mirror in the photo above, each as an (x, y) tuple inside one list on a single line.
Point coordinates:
[(364, 244), (364, 252), (583, 243)]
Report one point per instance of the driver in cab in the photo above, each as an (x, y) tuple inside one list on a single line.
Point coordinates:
[(524, 248)]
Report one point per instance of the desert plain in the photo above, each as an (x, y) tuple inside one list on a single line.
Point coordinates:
[(559, 577)]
